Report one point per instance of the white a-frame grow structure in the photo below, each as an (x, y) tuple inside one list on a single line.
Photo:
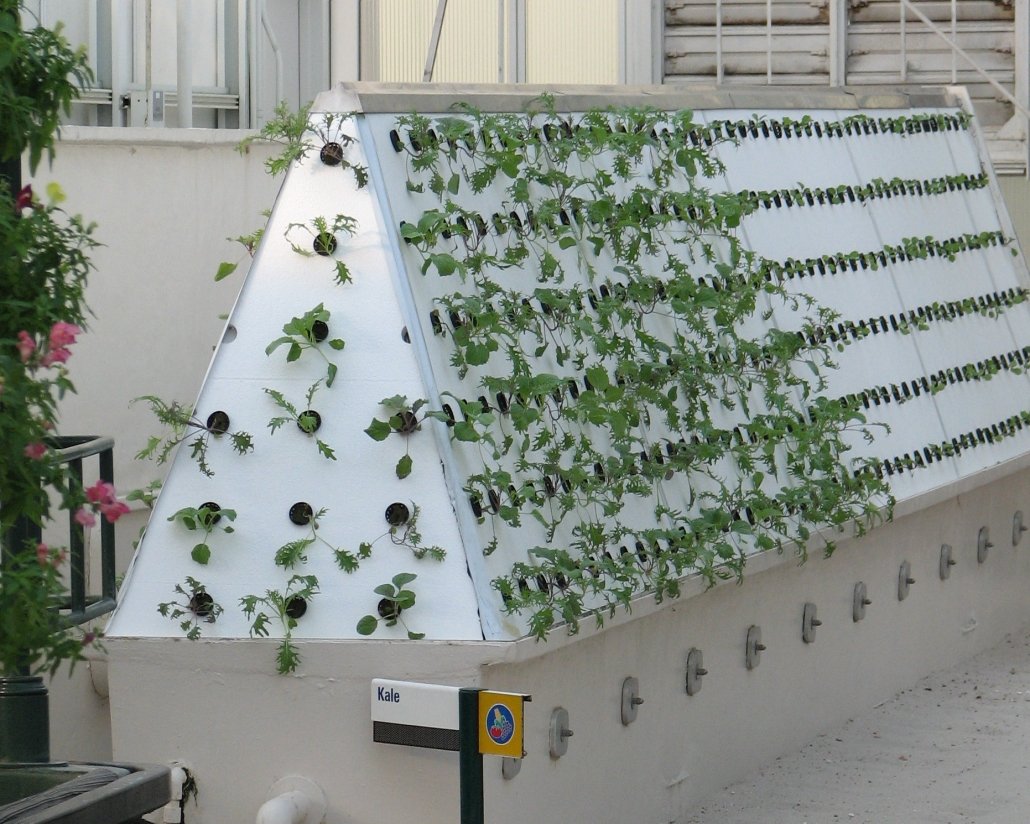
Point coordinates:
[(881, 208)]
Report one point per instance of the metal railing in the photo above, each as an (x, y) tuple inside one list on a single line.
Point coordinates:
[(79, 607)]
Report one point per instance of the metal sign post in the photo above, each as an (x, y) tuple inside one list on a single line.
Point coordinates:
[(478, 723)]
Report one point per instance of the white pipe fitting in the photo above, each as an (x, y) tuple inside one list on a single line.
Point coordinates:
[(293, 800)]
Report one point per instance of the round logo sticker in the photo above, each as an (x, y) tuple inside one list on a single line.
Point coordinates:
[(500, 724)]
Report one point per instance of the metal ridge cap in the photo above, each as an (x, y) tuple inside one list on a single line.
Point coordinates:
[(401, 98)]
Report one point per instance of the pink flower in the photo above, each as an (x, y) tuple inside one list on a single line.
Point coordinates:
[(35, 451), (103, 497), (100, 492), (60, 355), (113, 510), (63, 334), (24, 200), (84, 517), (26, 346), (88, 638), (43, 554)]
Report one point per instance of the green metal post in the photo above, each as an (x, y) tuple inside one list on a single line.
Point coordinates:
[(470, 759)]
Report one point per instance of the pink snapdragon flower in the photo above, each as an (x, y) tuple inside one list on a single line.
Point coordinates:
[(35, 451), (63, 334), (24, 199), (83, 517), (103, 498), (43, 554), (26, 346)]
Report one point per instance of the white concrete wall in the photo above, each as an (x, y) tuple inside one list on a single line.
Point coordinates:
[(163, 211), (218, 706)]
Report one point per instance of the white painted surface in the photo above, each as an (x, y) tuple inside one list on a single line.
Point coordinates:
[(240, 726), (420, 705)]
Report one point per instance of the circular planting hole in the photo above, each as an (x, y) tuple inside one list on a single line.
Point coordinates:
[(301, 513), (309, 421), (319, 331), (388, 609), (324, 244), (397, 514), (218, 422), (211, 516), (202, 604), (296, 607), (331, 154), (409, 423)]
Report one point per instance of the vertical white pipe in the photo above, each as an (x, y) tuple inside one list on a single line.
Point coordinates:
[(434, 41), (768, 41), (903, 23), (184, 63), (500, 41), (148, 74), (718, 41), (954, 40)]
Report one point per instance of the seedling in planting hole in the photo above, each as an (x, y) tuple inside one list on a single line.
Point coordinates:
[(403, 420), (395, 600), (307, 421), (295, 552), (286, 607), (186, 427), (199, 607), (306, 332), (323, 239), (204, 518)]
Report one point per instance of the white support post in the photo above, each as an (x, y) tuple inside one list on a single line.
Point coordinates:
[(516, 40), (434, 41), (184, 63), (640, 35), (838, 50), (903, 28), (769, 41), (344, 41), (718, 41), (1022, 73)]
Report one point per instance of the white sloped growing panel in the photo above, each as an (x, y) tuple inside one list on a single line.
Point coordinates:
[(886, 216)]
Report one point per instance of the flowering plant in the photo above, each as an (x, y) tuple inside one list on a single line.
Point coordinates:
[(44, 264)]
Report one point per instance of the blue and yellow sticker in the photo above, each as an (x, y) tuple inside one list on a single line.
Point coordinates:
[(500, 723)]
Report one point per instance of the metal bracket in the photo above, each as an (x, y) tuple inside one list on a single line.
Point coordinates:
[(947, 562), (510, 767), (905, 580), (808, 623), (983, 544), (859, 602), (559, 732), (1018, 527), (695, 671), (630, 700), (753, 647)]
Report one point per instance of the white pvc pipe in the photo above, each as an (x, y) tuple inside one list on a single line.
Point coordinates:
[(289, 808), (184, 63)]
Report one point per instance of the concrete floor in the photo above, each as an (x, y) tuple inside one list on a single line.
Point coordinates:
[(954, 748)]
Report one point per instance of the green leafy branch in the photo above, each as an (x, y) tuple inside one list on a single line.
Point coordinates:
[(308, 421), (396, 599), (284, 607), (185, 426), (306, 333), (195, 607), (404, 420), (204, 519), (294, 553)]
